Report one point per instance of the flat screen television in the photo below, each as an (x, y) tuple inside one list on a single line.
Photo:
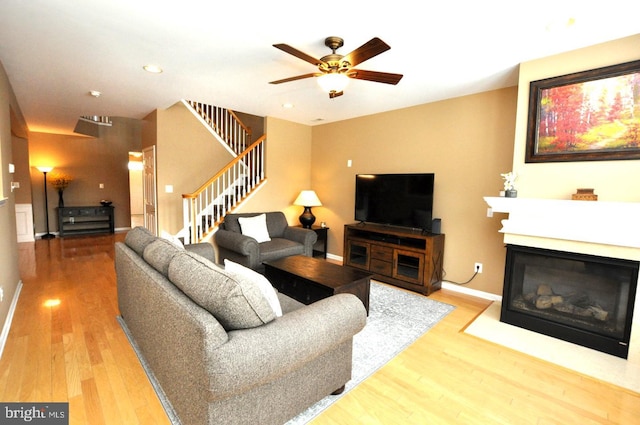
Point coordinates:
[(404, 200)]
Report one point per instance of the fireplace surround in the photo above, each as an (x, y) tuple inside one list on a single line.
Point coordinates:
[(575, 255), (583, 299)]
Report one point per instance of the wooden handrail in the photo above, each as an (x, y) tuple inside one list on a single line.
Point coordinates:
[(244, 127), (206, 207), (226, 168)]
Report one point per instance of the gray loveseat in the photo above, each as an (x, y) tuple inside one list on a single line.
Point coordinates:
[(285, 240), (220, 355)]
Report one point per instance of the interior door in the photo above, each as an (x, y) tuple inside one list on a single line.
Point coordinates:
[(149, 194)]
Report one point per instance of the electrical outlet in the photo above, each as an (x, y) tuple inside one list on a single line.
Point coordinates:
[(477, 268)]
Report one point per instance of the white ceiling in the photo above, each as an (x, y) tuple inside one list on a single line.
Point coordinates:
[(56, 51)]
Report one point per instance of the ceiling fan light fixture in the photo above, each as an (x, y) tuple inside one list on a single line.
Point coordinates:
[(333, 82), (154, 69)]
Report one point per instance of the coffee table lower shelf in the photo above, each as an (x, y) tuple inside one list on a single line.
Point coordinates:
[(308, 280)]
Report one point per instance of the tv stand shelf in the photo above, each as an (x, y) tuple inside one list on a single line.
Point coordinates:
[(407, 258)]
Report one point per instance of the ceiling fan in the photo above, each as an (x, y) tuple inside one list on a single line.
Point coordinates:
[(335, 70)]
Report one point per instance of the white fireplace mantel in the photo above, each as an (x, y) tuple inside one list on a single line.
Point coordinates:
[(593, 227)]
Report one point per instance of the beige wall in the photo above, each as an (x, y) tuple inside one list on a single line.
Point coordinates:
[(9, 276), (91, 162), (179, 134), (467, 142), (186, 157), (612, 180), (288, 166)]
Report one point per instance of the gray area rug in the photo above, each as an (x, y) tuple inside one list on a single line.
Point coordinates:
[(396, 319)]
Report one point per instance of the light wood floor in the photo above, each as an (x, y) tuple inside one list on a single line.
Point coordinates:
[(76, 352)]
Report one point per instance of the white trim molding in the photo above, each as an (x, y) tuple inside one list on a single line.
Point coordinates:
[(7, 323)]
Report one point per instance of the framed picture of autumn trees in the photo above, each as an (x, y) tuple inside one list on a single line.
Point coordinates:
[(587, 116)]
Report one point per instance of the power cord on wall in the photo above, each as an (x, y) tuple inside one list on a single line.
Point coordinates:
[(444, 273)]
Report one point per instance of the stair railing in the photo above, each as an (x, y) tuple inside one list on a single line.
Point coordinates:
[(205, 208), (225, 123)]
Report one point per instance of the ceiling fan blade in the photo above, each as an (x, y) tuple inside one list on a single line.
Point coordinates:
[(335, 94), (298, 77), (378, 77), (297, 53), (371, 48)]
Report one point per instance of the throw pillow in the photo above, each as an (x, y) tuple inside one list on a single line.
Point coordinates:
[(265, 287), (255, 227), (171, 238), (233, 301)]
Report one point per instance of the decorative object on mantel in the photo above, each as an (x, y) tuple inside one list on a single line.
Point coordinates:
[(584, 195), (105, 203), (60, 181), (509, 187)]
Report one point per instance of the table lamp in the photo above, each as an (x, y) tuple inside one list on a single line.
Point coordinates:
[(307, 199)]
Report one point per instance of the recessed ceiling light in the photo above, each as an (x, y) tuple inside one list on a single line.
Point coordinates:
[(154, 69), (95, 93), (287, 105)]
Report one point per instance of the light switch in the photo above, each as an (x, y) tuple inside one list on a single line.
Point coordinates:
[(168, 188), (101, 185)]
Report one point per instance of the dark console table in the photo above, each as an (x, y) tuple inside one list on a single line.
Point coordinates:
[(85, 220)]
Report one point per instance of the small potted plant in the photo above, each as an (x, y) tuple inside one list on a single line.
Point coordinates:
[(60, 182), (509, 184)]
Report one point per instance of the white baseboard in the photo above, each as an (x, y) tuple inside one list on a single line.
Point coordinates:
[(7, 323), (472, 292), (334, 257)]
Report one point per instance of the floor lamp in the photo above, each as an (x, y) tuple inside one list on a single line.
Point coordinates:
[(44, 171)]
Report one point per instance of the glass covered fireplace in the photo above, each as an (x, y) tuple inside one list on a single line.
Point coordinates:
[(583, 299)]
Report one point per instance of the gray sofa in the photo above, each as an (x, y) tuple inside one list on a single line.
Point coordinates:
[(220, 355), (285, 240)]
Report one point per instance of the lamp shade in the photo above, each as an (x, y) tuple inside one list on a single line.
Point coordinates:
[(307, 198), (333, 82), (44, 169)]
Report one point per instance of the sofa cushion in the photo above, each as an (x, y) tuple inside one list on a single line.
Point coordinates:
[(268, 291), (255, 227), (277, 248), (138, 238), (159, 253), (234, 301)]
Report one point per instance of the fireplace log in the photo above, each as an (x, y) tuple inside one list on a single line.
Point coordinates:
[(544, 290), (576, 305)]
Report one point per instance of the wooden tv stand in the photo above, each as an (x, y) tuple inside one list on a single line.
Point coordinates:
[(410, 259)]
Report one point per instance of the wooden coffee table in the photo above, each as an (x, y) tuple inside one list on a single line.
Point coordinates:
[(308, 279)]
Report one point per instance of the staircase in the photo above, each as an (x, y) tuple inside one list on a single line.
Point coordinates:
[(205, 208), (224, 123)]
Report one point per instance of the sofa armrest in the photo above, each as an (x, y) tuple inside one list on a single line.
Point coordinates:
[(306, 237), (252, 357), (237, 242), (203, 249)]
